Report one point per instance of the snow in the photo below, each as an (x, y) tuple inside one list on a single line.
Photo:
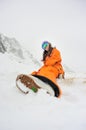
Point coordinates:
[(63, 23), (40, 111)]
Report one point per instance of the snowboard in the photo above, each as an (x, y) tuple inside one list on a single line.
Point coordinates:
[(26, 83)]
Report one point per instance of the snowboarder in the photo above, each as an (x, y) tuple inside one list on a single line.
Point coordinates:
[(48, 73)]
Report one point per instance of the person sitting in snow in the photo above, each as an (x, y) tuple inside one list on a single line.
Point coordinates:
[(50, 71), (52, 67)]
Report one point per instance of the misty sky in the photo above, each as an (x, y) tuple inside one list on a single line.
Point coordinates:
[(62, 22)]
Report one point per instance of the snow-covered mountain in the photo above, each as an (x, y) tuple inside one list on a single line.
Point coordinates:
[(10, 45), (38, 111), (15, 51)]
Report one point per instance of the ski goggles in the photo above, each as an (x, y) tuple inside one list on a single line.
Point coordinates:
[(44, 45)]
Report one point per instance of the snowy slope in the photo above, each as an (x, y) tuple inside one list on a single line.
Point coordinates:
[(40, 111)]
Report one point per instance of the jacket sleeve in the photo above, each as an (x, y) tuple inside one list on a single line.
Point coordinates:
[(54, 58)]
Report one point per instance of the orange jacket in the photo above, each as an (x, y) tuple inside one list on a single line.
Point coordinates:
[(52, 66), (54, 57)]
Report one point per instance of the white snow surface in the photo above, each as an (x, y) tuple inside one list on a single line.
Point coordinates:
[(40, 111)]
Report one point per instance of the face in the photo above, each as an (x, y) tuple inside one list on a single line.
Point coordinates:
[(47, 48)]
